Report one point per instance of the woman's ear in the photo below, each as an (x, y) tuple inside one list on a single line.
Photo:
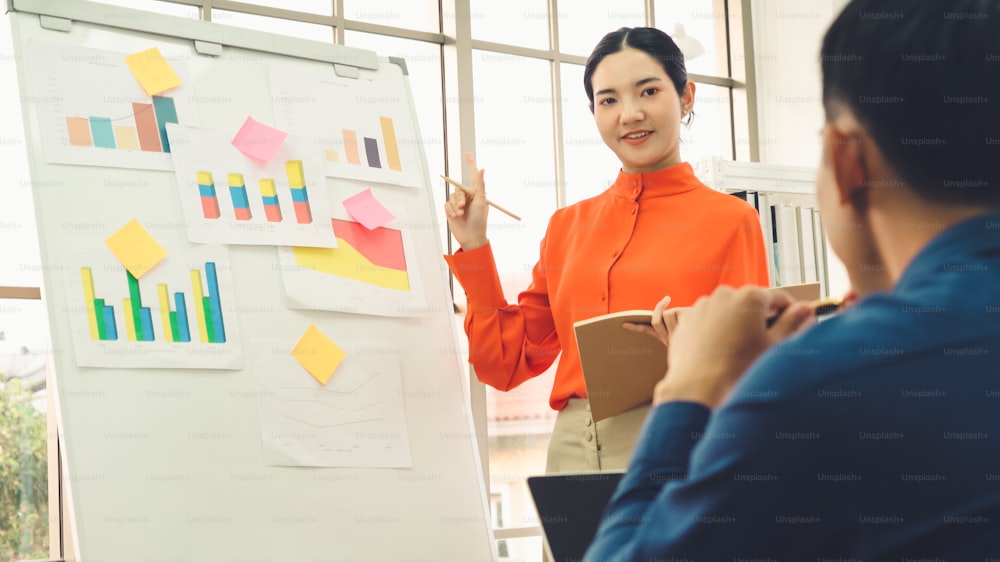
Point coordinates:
[(687, 100)]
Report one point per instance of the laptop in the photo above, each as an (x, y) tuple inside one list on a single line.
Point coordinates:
[(569, 508)]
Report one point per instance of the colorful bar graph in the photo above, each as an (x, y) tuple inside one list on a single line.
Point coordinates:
[(79, 131), (391, 147), (165, 113), (148, 134), (209, 199), (297, 185), (102, 132), (139, 322), (351, 146), (145, 124), (269, 195), (238, 193)]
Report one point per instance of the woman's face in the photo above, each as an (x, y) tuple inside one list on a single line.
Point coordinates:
[(638, 111)]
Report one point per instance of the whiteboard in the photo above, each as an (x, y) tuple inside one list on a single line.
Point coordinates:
[(165, 458)]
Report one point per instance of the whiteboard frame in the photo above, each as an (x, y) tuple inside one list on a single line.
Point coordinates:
[(209, 39)]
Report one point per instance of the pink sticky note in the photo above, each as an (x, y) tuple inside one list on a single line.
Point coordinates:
[(258, 141), (364, 208)]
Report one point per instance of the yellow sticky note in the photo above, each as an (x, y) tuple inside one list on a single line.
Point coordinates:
[(318, 354), (135, 248), (152, 71)]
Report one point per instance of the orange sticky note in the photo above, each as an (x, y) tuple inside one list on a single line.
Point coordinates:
[(135, 248), (318, 354), (152, 71)]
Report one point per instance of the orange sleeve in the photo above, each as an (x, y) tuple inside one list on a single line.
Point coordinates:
[(747, 261), (508, 344)]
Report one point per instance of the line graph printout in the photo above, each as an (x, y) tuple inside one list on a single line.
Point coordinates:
[(356, 419), (93, 112), (228, 198), (364, 132), (178, 315)]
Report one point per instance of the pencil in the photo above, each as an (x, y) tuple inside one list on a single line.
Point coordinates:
[(820, 307), (470, 191)]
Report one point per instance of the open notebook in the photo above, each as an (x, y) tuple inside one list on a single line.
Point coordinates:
[(621, 367)]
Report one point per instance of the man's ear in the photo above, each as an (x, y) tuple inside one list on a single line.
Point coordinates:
[(847, 161)]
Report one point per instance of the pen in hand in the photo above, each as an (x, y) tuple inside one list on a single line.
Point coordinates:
[(820, 307), (471, 192)]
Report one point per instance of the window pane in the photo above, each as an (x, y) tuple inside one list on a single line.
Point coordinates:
[(154, 6), (423, 61), (321, 7), (710, 133), (514, 145), (421, 15), (524, 549), (20, 264), (516, 22), (300, 29), (699, 30), (582, 23), (590, 166), (24, 522)]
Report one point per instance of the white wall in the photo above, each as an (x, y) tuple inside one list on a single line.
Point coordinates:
[(787, 37)]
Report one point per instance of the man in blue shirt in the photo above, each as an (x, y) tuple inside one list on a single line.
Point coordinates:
[(871, 436)]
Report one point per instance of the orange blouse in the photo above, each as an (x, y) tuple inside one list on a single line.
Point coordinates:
[(647, 236)]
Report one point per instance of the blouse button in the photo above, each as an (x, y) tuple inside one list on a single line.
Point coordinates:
[(633, 210)]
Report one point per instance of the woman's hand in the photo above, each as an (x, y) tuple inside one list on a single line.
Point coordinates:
[(467, 213), (721, 336), (662, 324)]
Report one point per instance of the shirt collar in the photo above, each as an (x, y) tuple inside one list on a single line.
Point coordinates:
[(955, 248), (676, 179)]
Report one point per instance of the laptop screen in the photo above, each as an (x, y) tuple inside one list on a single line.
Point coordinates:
[(570, 507)]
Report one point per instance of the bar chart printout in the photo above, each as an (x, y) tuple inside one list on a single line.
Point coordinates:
[(229, 199), (91, 110), (174, 316), (377, 141)]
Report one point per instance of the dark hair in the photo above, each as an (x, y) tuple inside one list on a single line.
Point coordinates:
[(649, 40), (923, 78)]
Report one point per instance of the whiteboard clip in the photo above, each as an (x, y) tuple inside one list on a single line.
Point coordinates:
[(346, 71), (54, 23), (401, 62), (206, 48)]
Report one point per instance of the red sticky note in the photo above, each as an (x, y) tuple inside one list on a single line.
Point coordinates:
[(258, 141), (367, 210)]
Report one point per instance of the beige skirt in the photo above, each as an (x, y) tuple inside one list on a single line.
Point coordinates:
[(580, 445)]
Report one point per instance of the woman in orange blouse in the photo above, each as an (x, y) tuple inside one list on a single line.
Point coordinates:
[(656, 231)]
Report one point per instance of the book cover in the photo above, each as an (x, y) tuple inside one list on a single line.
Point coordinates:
[(621, 367)]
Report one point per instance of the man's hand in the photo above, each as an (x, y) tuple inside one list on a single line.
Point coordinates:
[(720, 337)]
